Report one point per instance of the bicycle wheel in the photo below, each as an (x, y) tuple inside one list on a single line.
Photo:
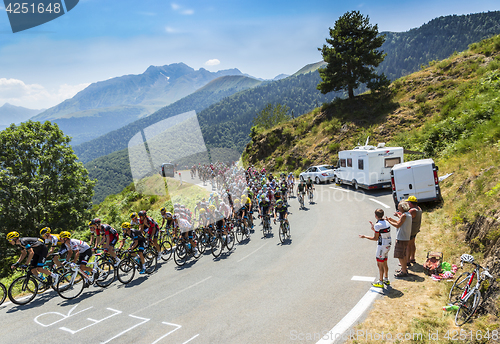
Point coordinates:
[(180, 255), (166, 251), (458, 288), (126, 270), (203, 243), (23, 290), (151, 260), (70, 285), (230, 241), (106, 274), (217, 247), (282, 232), (287, 227), (246, 233), (3, 293), (468, 308), (239, 233)]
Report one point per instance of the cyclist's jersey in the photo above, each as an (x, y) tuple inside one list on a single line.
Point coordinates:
[(150, 224), (77, 245), (33, 243), (384, 229), (136, 235), (301, 187), (309, 184), (219, 219), (110, 231), (53, 240), (184, 225), (281, 211)]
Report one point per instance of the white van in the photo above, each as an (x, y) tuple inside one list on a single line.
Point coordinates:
[(417, 178), (368, 167)]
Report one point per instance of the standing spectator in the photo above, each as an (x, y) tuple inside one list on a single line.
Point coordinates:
[(403, 225), (382, 235), (416, 215)]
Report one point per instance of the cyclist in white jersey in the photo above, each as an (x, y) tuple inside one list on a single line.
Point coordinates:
[(82, 252)]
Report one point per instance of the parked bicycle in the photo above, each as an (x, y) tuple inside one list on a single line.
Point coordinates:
[(463, 294)]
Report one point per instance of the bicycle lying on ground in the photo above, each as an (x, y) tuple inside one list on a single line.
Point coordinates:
[(463, 294)]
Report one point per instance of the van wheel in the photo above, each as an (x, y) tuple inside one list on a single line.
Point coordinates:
[(355, 185)]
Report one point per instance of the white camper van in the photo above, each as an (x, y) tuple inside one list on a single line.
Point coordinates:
[(417, 178), (368, 167)]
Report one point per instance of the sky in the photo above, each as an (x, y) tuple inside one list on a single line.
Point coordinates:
[(102, 39)]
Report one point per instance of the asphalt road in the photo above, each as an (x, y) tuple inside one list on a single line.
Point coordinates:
[(261, 292)]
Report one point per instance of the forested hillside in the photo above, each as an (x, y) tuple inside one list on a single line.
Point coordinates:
[(436, 40)]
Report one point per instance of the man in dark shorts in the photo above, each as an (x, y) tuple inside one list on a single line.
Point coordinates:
[(36, 251)]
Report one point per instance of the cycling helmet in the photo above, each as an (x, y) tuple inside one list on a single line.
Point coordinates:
[(237, 201), (263, 196), (211, 207), (279, 202), (142, 213), (97, 220), (163, 210), (64, 235), (467, 258), (133, 215), (12, 235), (91, 223), (126, 225), (202, 211), (44, 231)]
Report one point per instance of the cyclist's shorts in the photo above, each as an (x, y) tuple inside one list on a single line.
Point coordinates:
[(39, 256), (382, 252), (84, 257), (113, 240), (281, 216), (150, 231)]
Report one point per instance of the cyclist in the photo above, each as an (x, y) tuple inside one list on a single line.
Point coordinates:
[(309, 188), (95, 232), (54, 241), (36, 251), (110, 238), (186, 231), (138, 243), (149, 226), (134, 219), (290, 182), (82, 252), (264, 206), (301, 190), (280, 210), (166, 217)]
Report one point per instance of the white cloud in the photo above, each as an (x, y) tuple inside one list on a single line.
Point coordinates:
[(170, 29), (213, 62), (181, 9), (34, 96)]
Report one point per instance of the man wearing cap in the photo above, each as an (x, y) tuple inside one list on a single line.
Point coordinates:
[(416, 215)]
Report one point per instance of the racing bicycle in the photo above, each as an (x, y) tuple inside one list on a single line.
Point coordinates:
[(464, 294)]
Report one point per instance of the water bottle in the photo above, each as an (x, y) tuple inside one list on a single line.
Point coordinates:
[(451, 308)]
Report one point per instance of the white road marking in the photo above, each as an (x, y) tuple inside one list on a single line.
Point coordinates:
[(63, 317), (382, 204), (248, 255), (363, 278), (166, 323), (145, 320), (190, 339), (339, 189), (175, 294), (351, 317)]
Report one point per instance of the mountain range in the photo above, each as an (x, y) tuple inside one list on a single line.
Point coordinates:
[(15, 114), (108, 105)]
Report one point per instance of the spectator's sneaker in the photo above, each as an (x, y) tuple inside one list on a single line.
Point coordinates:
[(378, 284), (387, 282)]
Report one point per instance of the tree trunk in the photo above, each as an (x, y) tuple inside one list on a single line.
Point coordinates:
[(351, 92)]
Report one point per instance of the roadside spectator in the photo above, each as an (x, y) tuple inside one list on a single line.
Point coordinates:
[(416, 215), (382, 235), (403, 225)]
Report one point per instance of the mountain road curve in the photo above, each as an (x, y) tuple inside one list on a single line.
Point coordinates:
[(261, 292)]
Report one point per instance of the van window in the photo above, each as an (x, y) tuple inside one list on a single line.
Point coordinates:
[(390, 162), (342, 162), (349, 162), (361, 164)]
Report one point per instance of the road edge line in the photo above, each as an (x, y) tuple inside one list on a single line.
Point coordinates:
[(350, 318)]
